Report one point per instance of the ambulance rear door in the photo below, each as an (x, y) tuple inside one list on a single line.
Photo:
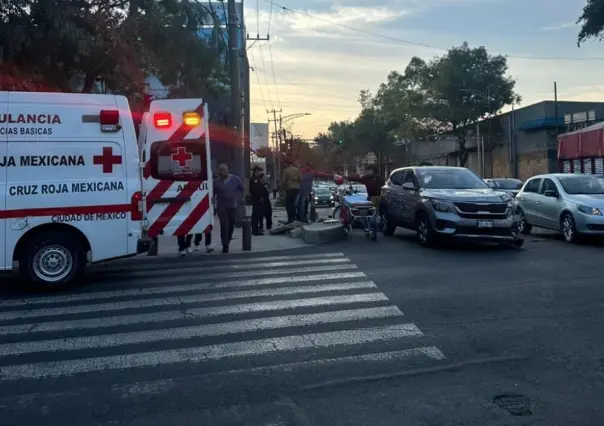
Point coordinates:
[(176, 177)]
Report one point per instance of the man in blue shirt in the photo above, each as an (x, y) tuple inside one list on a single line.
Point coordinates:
[(228, 189)]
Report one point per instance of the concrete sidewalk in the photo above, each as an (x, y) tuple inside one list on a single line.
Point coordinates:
[(262, 243)]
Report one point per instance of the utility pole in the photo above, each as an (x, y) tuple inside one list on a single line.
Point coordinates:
[(276, 154), (235, 75)]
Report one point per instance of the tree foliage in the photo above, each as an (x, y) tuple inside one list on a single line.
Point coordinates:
[(444, 95), (592, 21), (116, 42)]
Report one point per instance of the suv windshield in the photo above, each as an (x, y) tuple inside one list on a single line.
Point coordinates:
[(322, 191), (508, 183), (582, 184), (449, 179)]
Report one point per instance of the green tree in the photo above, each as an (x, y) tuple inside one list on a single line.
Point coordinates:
[(372, 131), (592, 21), (457, 89), (82, 42)]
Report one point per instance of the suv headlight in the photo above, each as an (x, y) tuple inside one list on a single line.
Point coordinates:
[(441, 206), (590, 210)]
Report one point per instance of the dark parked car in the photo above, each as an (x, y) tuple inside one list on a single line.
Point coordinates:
[(509, 185), (450, 202), (323, 197)]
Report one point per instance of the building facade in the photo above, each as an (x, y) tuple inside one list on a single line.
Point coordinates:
[(519, 143)]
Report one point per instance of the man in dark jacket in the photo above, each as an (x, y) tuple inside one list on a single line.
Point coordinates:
[(373, 182), (259, 194), (267, 206)]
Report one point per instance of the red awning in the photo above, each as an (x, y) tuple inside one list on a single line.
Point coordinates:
[(587, 142)]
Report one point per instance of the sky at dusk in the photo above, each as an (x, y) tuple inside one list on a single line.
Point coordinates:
[(313, 66)]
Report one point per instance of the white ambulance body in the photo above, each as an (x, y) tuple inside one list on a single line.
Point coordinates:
[(73, 183)]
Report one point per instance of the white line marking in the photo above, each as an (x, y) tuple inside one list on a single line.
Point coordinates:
[(217, 266), (179, 277), (36, 312), (134, 304), (180, 313), (207, 353), (180, 333), (101, 296), (131, 262)]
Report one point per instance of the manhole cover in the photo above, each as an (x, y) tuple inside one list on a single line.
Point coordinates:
[(516, 405)]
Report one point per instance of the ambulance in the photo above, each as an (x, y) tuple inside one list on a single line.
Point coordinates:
[(77, 186)]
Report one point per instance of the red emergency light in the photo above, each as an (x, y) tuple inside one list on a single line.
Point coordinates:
[(110, 120), (162, 119)]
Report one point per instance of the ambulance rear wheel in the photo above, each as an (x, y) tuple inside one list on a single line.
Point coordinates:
[(53, 260)]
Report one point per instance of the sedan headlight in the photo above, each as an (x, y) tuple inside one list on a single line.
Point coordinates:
[(590, 210), (441, 206)]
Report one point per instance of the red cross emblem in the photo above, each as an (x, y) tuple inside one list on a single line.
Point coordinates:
[(181, 156), (107, 159)]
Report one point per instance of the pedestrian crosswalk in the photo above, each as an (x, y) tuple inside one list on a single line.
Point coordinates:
[(203, 310)]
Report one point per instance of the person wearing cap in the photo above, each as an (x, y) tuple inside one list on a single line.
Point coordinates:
[(291, 183), (259, 194)]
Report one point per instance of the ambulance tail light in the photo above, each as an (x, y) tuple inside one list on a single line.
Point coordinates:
[(162, 120), (110, 120), (136, 206), (191, 119)]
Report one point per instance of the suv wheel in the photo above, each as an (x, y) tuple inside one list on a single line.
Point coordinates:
[(387, 225), (423, 228), (523, 226)]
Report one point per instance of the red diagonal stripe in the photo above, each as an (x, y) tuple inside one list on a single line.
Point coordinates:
[(179, 134), (195, 216), (173, 208)]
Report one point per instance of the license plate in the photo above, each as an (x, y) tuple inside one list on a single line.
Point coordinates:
[(485, 223)]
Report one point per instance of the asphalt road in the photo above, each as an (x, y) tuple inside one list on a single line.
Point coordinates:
[(355, 333)]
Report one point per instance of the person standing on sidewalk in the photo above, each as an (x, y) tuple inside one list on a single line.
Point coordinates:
[(259, 194), (229, 198), (268, 207), (308, 176), (291, 183)]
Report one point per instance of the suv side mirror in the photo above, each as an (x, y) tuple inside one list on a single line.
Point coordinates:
[(551, 193), (491, 185), (409, 186)]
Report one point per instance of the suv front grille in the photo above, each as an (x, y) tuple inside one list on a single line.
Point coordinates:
[(481, 208)]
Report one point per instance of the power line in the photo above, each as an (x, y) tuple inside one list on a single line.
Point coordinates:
[(265, 77), (418, 44), (270, 51), (257, 79)]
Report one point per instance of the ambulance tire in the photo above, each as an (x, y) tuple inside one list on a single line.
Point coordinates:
[(53, 249)]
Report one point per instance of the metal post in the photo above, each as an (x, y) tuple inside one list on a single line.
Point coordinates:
[(479, 151), (313, 211), (246, 234), (490, 133)]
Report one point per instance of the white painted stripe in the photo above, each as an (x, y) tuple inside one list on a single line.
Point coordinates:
[(217, 266), (212, 352), (201, 272), (199, 275), (35, 312), (181, 333), (116, 306), (101, 296), (180, 313), (235, 260)]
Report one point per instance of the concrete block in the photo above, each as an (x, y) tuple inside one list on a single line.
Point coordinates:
[(319, 233), (296, 232)]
